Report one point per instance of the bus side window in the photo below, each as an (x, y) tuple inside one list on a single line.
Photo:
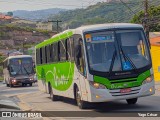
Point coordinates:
[(45, 54), (55, 52), (59, 51), (79, 55), (38, 56), (62, 51), (70, 49), (48, 53), (51, 53), (41, 58)]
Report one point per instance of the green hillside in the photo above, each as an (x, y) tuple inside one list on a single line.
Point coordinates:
[(102, 13)]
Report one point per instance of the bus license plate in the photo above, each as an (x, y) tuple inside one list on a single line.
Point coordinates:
[(126, 90)]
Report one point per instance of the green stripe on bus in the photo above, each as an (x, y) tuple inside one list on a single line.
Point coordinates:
[(59, 75), (123, 84), (55, 39)]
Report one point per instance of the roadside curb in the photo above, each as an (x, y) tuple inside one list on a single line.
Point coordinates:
[(4, 103), (24, 105)]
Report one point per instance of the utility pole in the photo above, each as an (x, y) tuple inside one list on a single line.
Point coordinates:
[(23, 42), (146, 18), (57, 23)]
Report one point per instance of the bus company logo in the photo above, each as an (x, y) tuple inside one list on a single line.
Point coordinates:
[(114, 86), (6, 114), (123, 73), (61, 81)]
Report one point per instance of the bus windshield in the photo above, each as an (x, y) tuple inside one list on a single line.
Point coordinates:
[(21, 66), (120, 50)]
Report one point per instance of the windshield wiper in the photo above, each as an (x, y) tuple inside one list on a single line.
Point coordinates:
[(25, 70), (112, 62), (127, 58)]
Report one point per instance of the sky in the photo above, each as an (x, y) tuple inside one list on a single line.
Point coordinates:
[(30, 5)]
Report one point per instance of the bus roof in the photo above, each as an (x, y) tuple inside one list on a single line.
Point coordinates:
[(18, 56), (55, 38), (70, 32), (108, 26)]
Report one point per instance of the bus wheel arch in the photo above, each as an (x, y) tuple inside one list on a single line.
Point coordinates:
[(81, 104), (7, 85), (52, 96), (74, 90), (49, 87)]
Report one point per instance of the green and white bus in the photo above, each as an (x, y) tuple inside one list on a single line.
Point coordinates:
[(96, 63)]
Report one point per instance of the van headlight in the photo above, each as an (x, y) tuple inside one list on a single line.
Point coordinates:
[(97, 85), (148, 80)]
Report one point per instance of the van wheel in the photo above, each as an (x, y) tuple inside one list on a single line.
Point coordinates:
[(132, 101), (30, 84), (81, 104), (52, 96)]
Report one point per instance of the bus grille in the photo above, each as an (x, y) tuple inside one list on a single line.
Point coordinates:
[(23, 79), (123, 80), (134, 90)]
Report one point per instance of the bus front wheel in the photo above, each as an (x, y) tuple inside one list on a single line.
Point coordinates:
[(132, 101), (81, 104)]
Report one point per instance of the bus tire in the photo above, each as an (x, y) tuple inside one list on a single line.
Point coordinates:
[(52, 96), (10, 85), (7, 85), (132, 101), (81, 104)]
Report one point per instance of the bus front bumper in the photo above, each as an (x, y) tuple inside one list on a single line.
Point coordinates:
[(20, 81), (104, 95)]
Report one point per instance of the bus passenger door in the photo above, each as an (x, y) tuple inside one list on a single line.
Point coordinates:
[(81, 66)]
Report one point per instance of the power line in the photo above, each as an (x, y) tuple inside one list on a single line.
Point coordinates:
[(127, 7)]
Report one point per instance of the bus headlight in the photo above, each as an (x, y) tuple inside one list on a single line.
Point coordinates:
[(148, 80), (31, 78), (97, 85)]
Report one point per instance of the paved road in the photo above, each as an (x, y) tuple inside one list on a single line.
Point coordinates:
[(29, 98), (7, 91)]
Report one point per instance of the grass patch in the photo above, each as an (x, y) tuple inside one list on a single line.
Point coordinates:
[(1, 78)]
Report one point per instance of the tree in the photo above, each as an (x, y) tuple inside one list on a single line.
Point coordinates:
[(154, 18), (10, 13)]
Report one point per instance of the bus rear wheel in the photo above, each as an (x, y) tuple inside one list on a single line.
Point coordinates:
[(7, 85), (52, 96), (132, 101), (81, 104)]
